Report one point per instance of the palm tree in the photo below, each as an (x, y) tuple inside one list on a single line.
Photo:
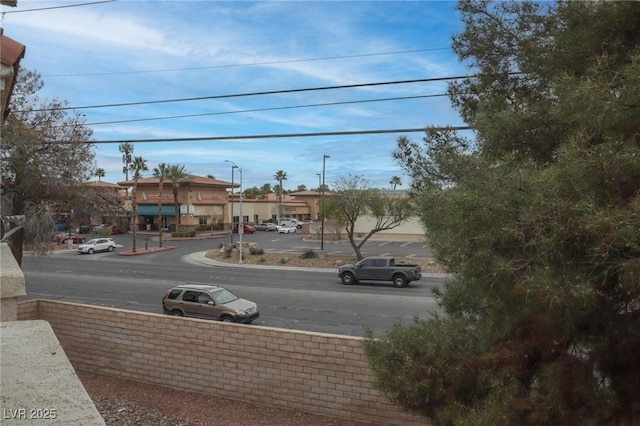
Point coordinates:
[(138, 165), (280, 176), (127, 151), (100, 174), (177, 174), (395, 181), (161, 173)]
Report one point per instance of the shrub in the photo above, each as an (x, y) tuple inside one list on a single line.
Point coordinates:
[(283, 260), (308, 254), (228, 252), (179, 234), (262, 260), (255, 250)]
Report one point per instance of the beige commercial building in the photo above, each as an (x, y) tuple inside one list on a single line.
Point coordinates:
[(205, 203)]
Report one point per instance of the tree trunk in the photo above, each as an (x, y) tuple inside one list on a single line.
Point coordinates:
[(134, 217), (16, 242), (160, 213), (356, 247), (177, 207)]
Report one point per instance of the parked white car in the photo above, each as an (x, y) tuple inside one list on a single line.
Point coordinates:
[(287, 229), (291, 222), (97, 244)]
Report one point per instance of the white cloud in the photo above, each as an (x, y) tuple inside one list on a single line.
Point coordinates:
[(106, 46)]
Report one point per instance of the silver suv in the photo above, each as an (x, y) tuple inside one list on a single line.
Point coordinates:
[(208, 302)]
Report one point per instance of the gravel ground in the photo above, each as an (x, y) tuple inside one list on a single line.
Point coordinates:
[(128, 403)]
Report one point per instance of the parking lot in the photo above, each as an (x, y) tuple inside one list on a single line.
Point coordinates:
[(377, 246)]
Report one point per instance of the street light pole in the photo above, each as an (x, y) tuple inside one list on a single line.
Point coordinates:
[(232, 203), (240, 222), (319, 189), (324, 158)]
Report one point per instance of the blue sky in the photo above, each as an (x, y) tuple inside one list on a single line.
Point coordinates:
[(139, 51)]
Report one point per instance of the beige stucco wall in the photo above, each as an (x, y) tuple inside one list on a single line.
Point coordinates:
[(314, 372), (12, 284)]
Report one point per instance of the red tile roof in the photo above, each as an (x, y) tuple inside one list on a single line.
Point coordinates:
[(10, 50)]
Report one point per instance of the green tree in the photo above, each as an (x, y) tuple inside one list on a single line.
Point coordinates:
[(138, 165), (537, 221), (301, 188), (177, 175), (251, 193), (161, 172), (265, 190), (100, 173), (395, 181), (354, 198), (47, 158), (280, 176)]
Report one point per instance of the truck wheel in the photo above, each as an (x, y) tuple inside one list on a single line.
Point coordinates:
[(399, 281), (348, 278)]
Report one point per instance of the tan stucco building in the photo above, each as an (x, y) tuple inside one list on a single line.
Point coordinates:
[(204, 202)]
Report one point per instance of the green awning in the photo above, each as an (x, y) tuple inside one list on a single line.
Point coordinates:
[(152, 210)]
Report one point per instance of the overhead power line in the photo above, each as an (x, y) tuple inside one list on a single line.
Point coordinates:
[(56, 7), (269, 92), (282, 135), (171, 117), (250, 64)]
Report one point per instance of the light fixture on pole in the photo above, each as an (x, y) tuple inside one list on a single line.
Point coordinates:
[(240, 221), (324, 159)]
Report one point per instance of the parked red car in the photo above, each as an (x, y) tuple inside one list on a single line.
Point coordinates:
[(246, 229), (115, 229), (64, 238)]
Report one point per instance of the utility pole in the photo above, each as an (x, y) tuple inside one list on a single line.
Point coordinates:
[(324, 158)]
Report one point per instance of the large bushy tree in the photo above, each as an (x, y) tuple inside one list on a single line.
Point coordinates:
[(46, 159), (537, 219)]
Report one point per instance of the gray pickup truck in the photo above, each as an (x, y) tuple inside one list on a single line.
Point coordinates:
[(380, 269)]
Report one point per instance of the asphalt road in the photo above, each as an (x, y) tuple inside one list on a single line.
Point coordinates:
[(291, 299)]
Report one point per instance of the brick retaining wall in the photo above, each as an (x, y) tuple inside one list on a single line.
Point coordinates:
[(314, 372)]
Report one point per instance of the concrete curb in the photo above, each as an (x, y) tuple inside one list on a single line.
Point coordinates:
[(200, 258)]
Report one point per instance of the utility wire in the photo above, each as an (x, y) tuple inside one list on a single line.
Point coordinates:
[(56, 7), (135, 120), (279, 135), (269, 92), (289, 61)]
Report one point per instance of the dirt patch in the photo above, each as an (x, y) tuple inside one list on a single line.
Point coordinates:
[(268, 257)]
